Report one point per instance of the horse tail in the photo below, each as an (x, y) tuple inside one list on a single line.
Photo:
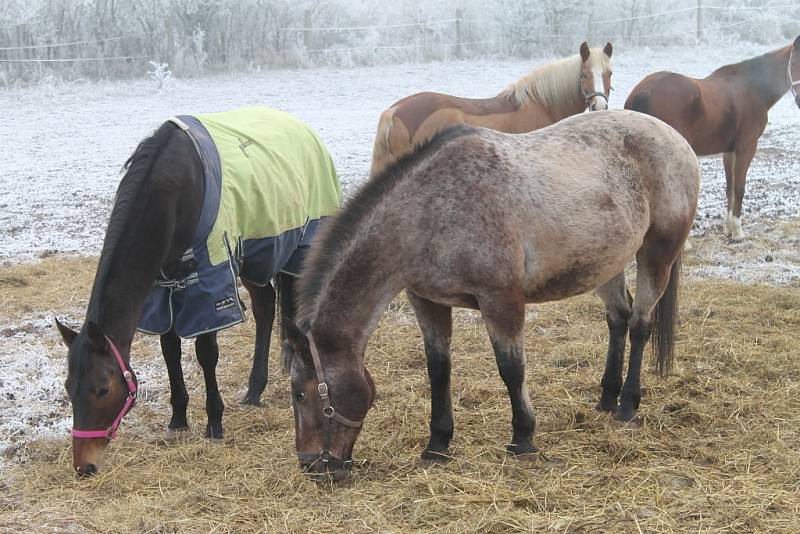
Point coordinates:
[(664, 316), (382, 150)]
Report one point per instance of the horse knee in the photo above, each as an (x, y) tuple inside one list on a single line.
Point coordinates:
[(617, 321)]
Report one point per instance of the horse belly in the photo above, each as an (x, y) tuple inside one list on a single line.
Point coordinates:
[(563, 268)]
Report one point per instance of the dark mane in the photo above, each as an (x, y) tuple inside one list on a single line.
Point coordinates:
[(137, 170), (339, 231)]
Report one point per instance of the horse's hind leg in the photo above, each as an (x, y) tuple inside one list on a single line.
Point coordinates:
[(208, 356), (436, 323), (505, 318), (652, 278), (617, 299), (263, 302), (178, 398)]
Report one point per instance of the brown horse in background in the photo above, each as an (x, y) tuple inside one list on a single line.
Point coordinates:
[(544, 96), (725, 112)]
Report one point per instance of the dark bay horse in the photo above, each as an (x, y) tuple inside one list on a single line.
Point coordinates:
[(160, 204), (725, 112), (544, 96), (491, 221)]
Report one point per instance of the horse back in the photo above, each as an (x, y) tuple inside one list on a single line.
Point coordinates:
[(416, 119)]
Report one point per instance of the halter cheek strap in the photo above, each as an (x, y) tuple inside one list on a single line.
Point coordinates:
[(325, 456), (792, 83), (111, 432)]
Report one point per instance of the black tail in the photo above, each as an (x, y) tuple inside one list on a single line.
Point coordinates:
[(664, 315)]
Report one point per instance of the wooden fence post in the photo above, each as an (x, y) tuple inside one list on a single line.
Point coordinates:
[(699, 20), (459, 33)]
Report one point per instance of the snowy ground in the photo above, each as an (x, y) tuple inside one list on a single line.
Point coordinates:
[(62, 147)]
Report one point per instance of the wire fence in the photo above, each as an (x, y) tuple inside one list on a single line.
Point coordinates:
[(251, 36)]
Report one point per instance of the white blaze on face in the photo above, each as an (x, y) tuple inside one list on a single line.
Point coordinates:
[(598, 102)]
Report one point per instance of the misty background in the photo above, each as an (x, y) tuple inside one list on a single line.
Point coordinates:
[(73, 39)]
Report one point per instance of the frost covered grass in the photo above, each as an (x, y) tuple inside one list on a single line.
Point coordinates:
[(718, 449), (64, 144)]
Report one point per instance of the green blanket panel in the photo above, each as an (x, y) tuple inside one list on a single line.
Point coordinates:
[(276, 175)]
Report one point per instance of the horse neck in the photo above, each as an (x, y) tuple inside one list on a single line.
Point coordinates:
[(358, 293), (768, 75), (539, 114), (152, 234)]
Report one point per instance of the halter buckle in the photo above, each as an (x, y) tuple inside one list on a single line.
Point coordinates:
[(322, 389)]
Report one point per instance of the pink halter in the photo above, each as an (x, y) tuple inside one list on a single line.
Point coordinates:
[(111, 432)]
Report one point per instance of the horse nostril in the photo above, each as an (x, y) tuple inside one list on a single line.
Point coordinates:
[(86, 471)]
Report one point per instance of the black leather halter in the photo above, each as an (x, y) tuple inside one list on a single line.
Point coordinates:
[(328, 459)]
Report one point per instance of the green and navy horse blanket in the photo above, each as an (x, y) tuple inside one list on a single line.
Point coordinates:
[(269, 181)]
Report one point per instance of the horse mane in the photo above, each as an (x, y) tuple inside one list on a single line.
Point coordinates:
[(554, 85), (749, 64), (137, 169), (336, 236)]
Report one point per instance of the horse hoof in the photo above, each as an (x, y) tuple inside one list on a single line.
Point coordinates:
[(738, 237), (632, 423), (522, 449), (249, 401), (176, 433), (605, 407), (436, 457), (215, 436)]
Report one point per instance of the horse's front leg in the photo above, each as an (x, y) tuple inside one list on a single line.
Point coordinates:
[(436, 323), (263, 302), (504, 316), (178, 398), (208, 355)]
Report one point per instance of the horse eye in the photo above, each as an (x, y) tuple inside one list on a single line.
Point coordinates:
[(299, 396), (103, 391)]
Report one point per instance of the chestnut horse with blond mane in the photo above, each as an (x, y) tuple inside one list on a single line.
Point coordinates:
[(544, 96), (725, 112)]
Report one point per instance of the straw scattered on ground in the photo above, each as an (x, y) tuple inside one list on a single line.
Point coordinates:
[(719, 449)]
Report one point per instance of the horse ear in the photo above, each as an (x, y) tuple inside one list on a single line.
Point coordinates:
[(67, 333), (608, 49), (96, 337), (584, 51), (295, 336), (797, 43)]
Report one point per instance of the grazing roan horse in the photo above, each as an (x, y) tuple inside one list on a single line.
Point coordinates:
[(203, 199), (793, 73), (725, 112), (544, 96), (491, 221)]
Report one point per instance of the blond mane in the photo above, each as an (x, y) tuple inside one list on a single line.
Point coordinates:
[(554, 85)]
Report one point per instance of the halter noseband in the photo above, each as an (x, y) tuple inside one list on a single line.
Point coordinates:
[(127, 374), (325, 456), (588, 96)]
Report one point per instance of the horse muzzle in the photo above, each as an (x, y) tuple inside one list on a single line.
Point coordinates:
[(324, 466)]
